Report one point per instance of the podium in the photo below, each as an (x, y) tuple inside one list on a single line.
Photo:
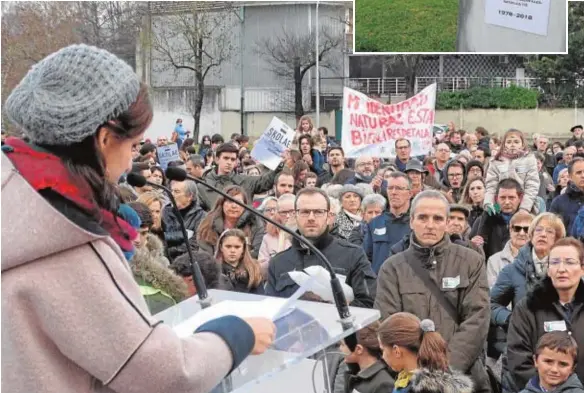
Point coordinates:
[(298, 358)]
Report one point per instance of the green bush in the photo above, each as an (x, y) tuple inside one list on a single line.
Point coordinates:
[(487, 98)]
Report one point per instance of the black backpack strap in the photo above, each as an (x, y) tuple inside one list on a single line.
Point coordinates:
[(423, 274)]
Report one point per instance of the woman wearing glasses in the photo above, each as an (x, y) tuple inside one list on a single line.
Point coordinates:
[(516, 279), (555, 304)]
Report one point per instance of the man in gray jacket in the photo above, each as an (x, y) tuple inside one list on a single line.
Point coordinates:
[(224, 175), (457, 272)]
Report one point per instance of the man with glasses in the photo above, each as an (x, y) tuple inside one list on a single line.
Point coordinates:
[(185, 194), (364, 171), (312, 208), (566, 159), (454, 178), (569, 203), (403, 149), (389, 228)]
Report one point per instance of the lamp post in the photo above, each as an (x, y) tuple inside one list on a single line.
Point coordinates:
[(317, 69)]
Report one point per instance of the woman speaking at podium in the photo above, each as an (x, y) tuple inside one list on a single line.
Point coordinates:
[(73, 319)]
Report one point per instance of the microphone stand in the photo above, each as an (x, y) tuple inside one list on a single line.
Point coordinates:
[(200, 285), (346, 319)]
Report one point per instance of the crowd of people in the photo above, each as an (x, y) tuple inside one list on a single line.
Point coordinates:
[(473, 253)]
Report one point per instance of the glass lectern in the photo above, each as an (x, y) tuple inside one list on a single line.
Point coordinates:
[(296, 362)]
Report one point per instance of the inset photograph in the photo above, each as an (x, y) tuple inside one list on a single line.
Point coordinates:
[(478, 26)]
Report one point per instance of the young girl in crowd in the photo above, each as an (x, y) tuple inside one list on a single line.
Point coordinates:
[(514, 160), (242, 271), (420, 355), (368, 373)]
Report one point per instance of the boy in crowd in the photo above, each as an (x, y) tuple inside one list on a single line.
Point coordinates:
[(555, 360)]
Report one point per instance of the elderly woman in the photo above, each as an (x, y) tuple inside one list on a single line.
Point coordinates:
[(516, 279), (373, 205), (350, 215), (274, 240), (228, 215), (555, 304)]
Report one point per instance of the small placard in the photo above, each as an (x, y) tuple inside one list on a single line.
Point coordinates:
[(531, 16)]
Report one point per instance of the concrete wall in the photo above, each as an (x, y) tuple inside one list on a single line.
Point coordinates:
[(256, 123), (474, 35), (551, 122)]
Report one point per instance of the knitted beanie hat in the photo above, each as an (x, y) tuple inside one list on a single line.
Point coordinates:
[(66, 96)]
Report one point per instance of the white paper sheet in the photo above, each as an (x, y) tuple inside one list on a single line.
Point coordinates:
[(321, 284)]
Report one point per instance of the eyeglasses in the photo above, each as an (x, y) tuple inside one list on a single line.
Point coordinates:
[(305, 213), (286, 212), (270, 210), (556, 262), (455, 175), (397, 188), (519, 228), (547, 231)]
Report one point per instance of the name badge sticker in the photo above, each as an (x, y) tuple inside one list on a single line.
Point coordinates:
[(379, 231), (450, 282), (555, 326)]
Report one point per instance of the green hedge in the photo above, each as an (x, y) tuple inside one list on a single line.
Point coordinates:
[(483, 97)]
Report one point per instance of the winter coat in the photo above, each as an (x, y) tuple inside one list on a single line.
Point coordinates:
[(572, 385), (400, 289), (528, 324), (317, 162), (475, 212), (251, 184), (545, 180), (193, 215), (522, 169), (374, 379), (347, 260), (567, 205), (159, 285), (251, 225), (426, 381), (513, 283), (271, 245), (382, 233), (494, 230), (357, 235), (73, 317), (497, 262), (239, 280)]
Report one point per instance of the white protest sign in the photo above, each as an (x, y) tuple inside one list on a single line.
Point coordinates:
[(531, 16), (167, 154), (371, 128), (275, 139)]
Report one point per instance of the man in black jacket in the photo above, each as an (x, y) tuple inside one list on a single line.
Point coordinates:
[(185, 193), (312, 207)]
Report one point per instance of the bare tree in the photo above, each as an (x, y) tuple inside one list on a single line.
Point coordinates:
[(409, 65), (292, 53), (198, 39)]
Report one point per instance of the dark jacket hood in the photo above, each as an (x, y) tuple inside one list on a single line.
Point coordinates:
[(445, 180), (426, 381), (544, 295)]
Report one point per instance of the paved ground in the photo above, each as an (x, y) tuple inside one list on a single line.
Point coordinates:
[(405, 25)]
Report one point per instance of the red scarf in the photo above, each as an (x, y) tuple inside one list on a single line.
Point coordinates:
[(46, 171)]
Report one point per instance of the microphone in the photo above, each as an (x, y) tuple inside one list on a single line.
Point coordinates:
[(136, 180), (179, 174)]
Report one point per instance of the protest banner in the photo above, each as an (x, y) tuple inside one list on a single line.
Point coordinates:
[(166, 154), (371, 127), (276, 138)]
